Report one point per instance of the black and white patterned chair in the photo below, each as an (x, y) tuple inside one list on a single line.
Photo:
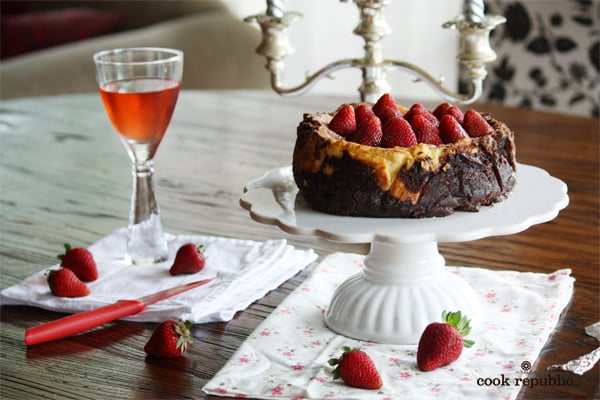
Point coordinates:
[(548, 55)]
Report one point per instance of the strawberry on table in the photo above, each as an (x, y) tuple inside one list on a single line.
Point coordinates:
[(188, 260), (356, 369), (80, 261), (398, 132), (475, 124), (442, 342), (170, 339), (344, 121), (64, 283)]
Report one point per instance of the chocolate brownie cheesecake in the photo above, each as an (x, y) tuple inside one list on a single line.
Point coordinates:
[(383, 160)]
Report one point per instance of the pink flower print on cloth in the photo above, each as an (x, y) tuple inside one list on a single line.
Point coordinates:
[(286, 356)]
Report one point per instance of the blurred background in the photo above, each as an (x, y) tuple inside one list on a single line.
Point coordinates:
[(324, 34), (548, 51)]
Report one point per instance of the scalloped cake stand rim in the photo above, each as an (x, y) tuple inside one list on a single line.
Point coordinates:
[(537, 198), (404, 284)]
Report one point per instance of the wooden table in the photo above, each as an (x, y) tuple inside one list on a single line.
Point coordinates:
[(64, 177)]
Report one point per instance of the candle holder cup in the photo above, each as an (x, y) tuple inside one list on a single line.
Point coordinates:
[(474, 53)]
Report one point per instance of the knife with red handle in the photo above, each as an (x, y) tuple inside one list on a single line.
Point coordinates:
[(80, 322)]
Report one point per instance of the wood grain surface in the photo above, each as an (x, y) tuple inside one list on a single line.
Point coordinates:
[(65, 177)]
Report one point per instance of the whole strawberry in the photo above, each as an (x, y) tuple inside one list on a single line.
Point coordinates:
[(398, 132), (80, 261), (419, 109), (451, 130), (356, 369), (442, 342), (64, 283), (475, 124), (344, 121), (188, 260), (425, 131), (369, 132), (386, 108), (441, 109), (363, 113), (170, 339), (456, 113)]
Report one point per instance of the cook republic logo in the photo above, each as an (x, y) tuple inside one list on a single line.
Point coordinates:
[(551, 379)]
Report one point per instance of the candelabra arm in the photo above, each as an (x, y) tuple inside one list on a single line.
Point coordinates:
[(436, 84), (474, 53), (275, 46), (275, 68)]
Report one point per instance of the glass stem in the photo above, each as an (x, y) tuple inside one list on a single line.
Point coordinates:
[(146, 243)]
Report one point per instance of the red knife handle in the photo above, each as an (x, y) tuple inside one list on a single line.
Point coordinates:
[(80, 322)]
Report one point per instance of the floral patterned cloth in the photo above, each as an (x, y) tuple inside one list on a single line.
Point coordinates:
[(286, 356)]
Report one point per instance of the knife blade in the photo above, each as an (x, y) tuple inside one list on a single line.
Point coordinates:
[(80, 322)]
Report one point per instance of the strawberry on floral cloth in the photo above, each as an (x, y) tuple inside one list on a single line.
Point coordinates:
[(288, 355)]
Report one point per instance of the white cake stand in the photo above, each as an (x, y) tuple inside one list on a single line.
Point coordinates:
[(404, 285)]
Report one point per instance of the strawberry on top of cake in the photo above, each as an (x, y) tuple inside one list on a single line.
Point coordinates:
[(385, 160)]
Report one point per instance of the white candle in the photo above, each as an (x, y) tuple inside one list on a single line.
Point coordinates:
[(275, 8), (474, 10)]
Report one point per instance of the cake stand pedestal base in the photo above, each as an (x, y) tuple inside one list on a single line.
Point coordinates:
[(403, 287), (405, 284)]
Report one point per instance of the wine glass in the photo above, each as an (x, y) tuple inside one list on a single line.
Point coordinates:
[(139, 89)]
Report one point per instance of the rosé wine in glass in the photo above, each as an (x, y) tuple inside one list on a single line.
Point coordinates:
[(139, 89), (140, 109)]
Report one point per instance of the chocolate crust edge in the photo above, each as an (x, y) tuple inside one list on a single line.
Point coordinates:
[(465, 180)]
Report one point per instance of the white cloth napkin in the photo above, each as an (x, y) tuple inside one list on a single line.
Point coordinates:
[(286, 356), (247, 271)]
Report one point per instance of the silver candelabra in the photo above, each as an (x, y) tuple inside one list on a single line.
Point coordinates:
[(474, 52)]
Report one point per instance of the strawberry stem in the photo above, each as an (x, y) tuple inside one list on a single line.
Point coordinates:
[(336, 361), (185, 337), (67, 249), (460, 322)]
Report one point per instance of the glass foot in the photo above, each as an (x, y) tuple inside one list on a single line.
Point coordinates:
[(146, 243)]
